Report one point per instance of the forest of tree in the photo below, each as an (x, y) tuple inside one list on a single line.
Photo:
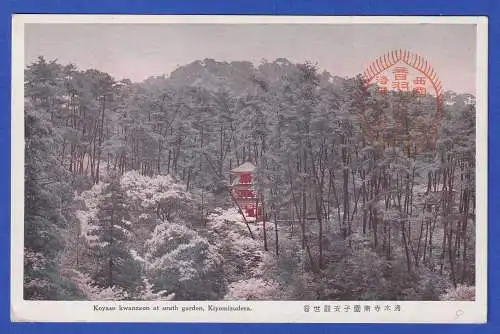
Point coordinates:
[(126, 187)]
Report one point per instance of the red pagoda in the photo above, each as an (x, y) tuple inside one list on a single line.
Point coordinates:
[(243, 191)]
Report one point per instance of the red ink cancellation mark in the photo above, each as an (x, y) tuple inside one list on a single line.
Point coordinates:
[(405, 71)]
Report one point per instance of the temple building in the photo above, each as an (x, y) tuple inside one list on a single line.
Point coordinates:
[(243, 190)]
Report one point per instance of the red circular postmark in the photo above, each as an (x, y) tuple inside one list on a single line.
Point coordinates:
[(402, 71)]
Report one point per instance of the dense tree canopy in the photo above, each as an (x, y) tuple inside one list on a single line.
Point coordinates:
[(126, 186)]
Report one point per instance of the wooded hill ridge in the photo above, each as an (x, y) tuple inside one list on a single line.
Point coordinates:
[(126, 187)]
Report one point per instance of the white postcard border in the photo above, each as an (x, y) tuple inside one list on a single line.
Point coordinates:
[(262, 311)]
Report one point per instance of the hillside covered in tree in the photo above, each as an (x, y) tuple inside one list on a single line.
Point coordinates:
[(127, 187)]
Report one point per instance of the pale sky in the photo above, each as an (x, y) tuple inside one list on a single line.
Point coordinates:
[(138, 51)]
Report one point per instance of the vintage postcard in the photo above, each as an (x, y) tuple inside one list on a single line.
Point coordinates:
[(249, 169)]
